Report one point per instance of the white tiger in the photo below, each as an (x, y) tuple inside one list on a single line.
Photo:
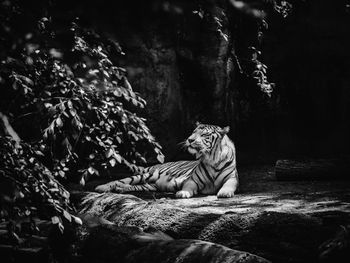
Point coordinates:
[(214, 171)]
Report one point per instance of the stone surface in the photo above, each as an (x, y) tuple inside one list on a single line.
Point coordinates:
[(180, 65), (130, 244), (280, 221)]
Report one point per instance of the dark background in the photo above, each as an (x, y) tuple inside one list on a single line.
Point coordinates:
[(186, 71)]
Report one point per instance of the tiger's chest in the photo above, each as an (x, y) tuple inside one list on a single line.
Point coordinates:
[(210, 179)]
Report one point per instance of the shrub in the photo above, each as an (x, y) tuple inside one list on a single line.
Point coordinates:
[(74, 109), (28, 188), (66, 84)]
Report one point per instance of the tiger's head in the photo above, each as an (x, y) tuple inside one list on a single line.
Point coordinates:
[(204, 139)]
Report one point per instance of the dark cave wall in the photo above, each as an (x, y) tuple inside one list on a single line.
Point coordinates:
[(179, 63), (177, 60), (309, 59), (153, 71), (184, 69)]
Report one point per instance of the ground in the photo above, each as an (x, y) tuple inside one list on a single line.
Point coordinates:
[(280, 221)]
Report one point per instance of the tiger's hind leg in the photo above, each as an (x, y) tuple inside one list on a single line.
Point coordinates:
[(136, 188), (135, 179), (122, 183)]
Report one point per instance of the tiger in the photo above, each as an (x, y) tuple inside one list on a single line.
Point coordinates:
[(213, 172)]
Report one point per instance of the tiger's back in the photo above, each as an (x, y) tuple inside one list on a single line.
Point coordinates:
[(169, 177)]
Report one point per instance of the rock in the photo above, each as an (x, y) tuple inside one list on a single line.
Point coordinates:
[(319, 169), (276, 227), (182, 69), (14, 254), (336, 249), (279, 221), (129, 244)]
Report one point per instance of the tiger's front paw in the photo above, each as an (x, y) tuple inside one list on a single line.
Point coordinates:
[(225, 193), (183, 194)]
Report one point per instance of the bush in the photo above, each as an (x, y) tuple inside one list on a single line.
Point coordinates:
[(74, 109), (80, 101), (28, 188)]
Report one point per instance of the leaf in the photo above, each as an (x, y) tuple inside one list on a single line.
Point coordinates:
[(112, 162), (70, 104), (67, 215), (158, 151), (67, 144), (117, 93), (61, 227), (91, 170), (73, 112), (133, 135), (82, 181), (127, 84), (17, 238), (134, 102), (39, 153), (55, 220), (65, 194), (118, 157), (77, 220), (160, 158), (109, 153)]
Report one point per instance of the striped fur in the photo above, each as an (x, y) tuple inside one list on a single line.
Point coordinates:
[(214, 171)]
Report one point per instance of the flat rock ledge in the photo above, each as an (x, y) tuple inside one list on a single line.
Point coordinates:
[(278, 228), (279, 222)]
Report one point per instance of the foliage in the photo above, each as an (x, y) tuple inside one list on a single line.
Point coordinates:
[(28, 188), (73, 107), (259, 69), (283, 7), (81, 101), (259, 73)]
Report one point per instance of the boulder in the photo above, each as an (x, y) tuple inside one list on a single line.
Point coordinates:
[(109, 243), (281, 221)]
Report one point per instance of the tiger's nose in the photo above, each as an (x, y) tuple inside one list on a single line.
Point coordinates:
[(190, 140)]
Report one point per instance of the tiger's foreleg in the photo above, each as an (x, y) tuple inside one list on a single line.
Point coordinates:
[(189, 189), (229, 187)]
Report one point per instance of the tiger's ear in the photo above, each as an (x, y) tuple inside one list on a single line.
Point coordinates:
[(225, 130), (198, 123)]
